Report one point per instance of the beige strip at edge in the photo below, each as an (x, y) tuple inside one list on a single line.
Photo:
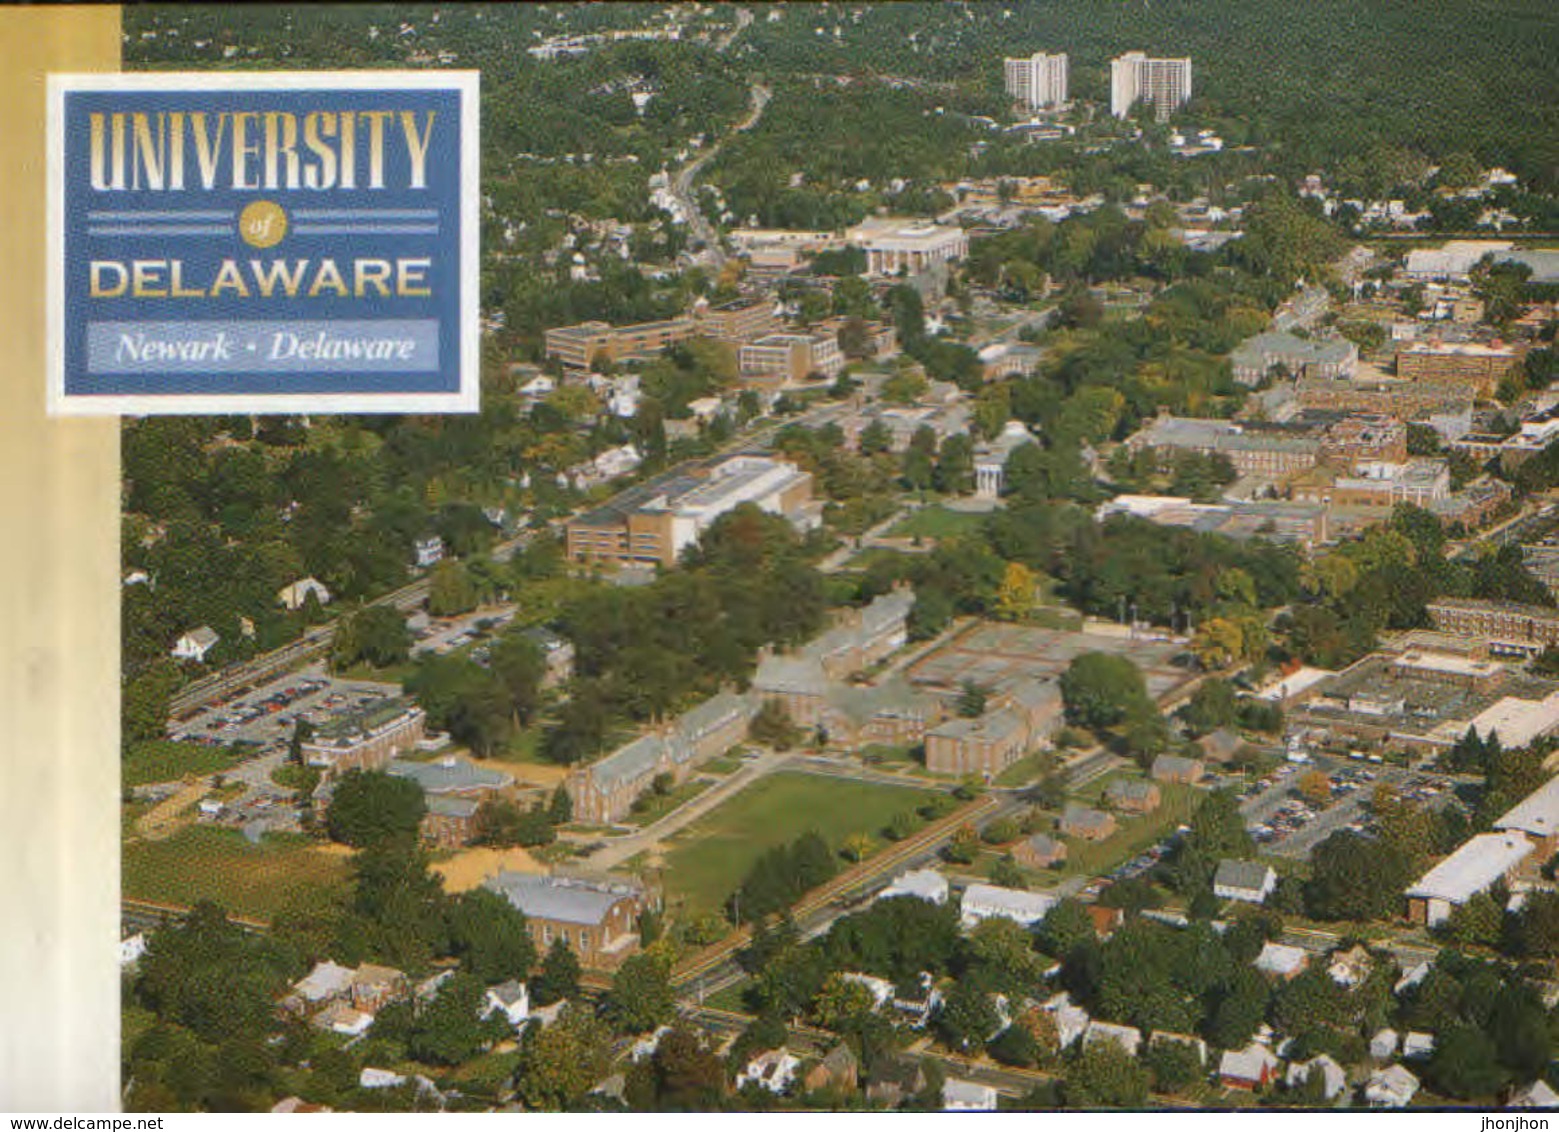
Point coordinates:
[(59, 638)]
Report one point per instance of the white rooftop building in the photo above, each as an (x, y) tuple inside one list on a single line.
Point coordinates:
[(1038, 81), (967, 1096), (923, 884), (1392, 1087), (1470, 870), (895, 244), (983, 901), (1281, 960)]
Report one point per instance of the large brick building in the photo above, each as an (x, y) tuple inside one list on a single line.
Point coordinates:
[(597, 919), (1018, 719), (1478, 366), (367, 739), (1258, 452), (578, 347), (1508, 628)]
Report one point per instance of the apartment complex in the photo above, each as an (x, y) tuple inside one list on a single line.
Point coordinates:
[(598, 919), (1329, 358), (791, 358), (1506, 627), (654, 522), (1038, 81), (367, 739), (1016, 721), (896, 244), (1474, 365), (1252, 452), (1164, 84), (605, 791)]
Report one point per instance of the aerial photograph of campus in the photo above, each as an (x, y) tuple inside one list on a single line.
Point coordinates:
[(1008, 560)]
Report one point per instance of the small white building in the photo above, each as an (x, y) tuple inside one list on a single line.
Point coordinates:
[(967, 1096), (1248, 881), (1536, 1095), (511, 999), (295, 596), (775, 1070), (428, 551), (1412, 978), (1392, 1087), (1128, 1038), (195, 644), (1416, 1044), (1383, 1046), (923, 884), (1282, 961), (983, 901), (1071, 1020), (1334, 1079), (131, 948)]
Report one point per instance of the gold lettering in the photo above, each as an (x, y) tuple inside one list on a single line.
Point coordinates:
[(411, 276), (417, 148), (376, 147), (242, 150), (375, 273), (99, 266), (207, 150), (228, 279), (329, 276), (316, 127), (145, 275)]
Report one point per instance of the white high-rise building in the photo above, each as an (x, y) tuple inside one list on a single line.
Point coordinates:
[(1039, 81), (1163, 83)]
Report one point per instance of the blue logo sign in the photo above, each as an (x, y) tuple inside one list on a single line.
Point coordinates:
[(263, 242)]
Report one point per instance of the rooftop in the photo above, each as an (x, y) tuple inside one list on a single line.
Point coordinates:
[(571, 900), (449, 775), (1537, 813), (1472, 868)]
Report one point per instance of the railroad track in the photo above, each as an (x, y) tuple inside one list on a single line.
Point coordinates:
[(146, 915)]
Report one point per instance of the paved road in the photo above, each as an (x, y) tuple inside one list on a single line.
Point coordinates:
[(706, 241)]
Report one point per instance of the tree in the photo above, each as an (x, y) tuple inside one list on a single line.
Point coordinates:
[(396, 913), (1106, 1076), (369, 806), (1104, 689), (1217, 831), (1238, 1009), (560, 1063), (842, 1004), (682, 1075), (972, 699), (1017, 597), (1465, 1065), (146, 700), (490, 936), (968, 1016), (560, 809), (640, 997), (955, 466), (772, 726), (450, 591), (1176, 1066), (1354, 878), (559, 976), (376, 634), (1210, 707), (450, 1030), (1315, 787)]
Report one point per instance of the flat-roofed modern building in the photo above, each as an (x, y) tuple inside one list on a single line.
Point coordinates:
[(895, 244), (1038, 80), (1508, 628), (579, 346), (1165, 84), (1476, 365), (792, 358), (1474, 868), (654, 522)]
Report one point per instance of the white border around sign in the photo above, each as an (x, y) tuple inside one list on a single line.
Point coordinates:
[(466, 400)]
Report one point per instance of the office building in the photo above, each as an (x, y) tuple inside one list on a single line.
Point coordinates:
[(1038, 81), (1165, 84), (791, 358)]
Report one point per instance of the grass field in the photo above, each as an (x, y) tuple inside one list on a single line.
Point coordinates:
[(201, 863), (659, 806), (162, 760), (936, 522), (1099, 857), (708, 860)]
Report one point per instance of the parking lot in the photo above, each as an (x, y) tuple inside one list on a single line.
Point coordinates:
[(264, 717), (437, 636)]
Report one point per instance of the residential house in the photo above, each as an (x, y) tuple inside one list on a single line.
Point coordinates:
[(1220, 746), (1412, 977), (511, 999), (894, 1080), (1391, 1087), (131, 948), (774, 1070), (558, 652), (837, 1071), (374, 985), (984, 901), (1248, 881), (923, 884), (428, 551), (1175, 768), (295, 596), (1072, 1021), (1254, 1067), (450, 822), (1282, 961), (1104, 919), (1039, 852), (967, 1096), (1132, 796), (1334, 1079), (1539, 1094), (1087, 824), (343, 1018), (1416, 1044), (598, 919), (1383, 1046), (1350, 968), (1128, 1038), (195, 644)]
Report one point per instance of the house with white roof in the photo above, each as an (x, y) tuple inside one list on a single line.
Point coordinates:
[(881, 990), (511, 999), (774, 1070), (1412, 977), (1536, 816), (1474, 868), (1071, 1020), (295, 596), (131, 948), (1416, 1044), (1536, 1095), (1281, 960), (1128, 1038), (1254, 1067), (967, 1096), (195, 644), (1334, 1079), (923, 884), (983, 901), (1391, 1087), (1383, 1045)]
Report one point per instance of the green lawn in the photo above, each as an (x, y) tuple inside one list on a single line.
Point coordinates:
[(1135, 834), (725, 764), (163, 760), (936, 522), (658, 806), (199, 862), (1027, 769), (708, 859)]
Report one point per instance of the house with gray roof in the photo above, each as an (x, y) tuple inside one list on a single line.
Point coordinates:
[(1132, 795), (1249, 881), (1086, 823), (1177, 768), (1332, 358), (598, 919), (450, 776)]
